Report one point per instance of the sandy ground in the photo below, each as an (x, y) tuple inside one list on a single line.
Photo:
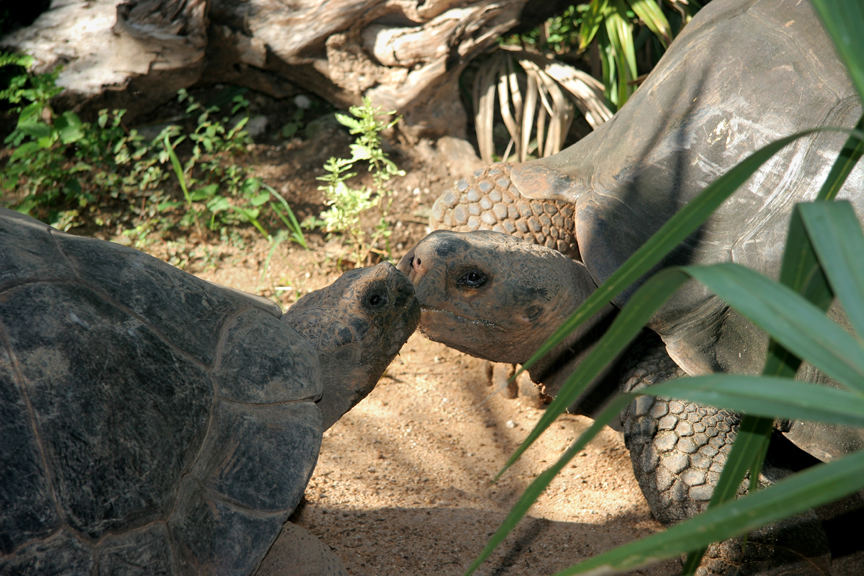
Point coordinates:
[(404, 484)]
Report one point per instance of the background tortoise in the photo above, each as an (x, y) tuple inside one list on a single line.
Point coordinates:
[(153, 423), (742, 73)]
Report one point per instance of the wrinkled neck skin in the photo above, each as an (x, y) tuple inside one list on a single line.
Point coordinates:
[(345, 379), (349, 384), (552, 371)]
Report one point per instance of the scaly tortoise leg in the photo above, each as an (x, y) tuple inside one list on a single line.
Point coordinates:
[(677, 448)]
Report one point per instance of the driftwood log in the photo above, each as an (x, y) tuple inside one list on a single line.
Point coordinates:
[(404, 55)]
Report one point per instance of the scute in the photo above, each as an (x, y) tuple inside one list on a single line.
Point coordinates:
[(25, 499), (59, 555), (185, 310), (216, 537), (28, 251), (118, 414), (260, 457), (248, 371), (143, 552)]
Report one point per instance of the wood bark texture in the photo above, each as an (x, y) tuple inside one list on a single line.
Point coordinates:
[(404, 55)]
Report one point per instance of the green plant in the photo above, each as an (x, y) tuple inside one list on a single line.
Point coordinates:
[(346, 205), (221, 192), (38, 134), (62, 167), (536, 90), (821, 262), (299, 117), (614, 26)]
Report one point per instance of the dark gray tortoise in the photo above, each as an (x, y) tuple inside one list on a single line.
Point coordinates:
[(742, 73), (153, 423)]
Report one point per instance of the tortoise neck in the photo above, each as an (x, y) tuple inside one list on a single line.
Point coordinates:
[(553, 370)]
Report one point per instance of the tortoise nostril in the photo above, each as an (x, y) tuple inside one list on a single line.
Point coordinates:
[(417, 262)]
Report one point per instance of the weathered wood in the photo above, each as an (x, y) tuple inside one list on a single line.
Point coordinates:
[(114, 53), (404, 55)]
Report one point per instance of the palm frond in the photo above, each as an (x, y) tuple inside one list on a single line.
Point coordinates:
[(535, 101)]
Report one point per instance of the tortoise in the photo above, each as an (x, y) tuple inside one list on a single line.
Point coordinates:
[(154, 423), (741, 74)]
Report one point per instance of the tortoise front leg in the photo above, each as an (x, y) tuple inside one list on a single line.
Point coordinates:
[(678, 450)]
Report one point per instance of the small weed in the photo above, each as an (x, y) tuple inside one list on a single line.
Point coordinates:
[(346, 203)]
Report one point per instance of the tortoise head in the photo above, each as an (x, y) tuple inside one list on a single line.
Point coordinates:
[(357, 325), (492, 295)]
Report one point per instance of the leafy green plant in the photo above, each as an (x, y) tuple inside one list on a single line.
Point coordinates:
[(38, 134), (346, 204), (616, 27), (62, 166), (299, 117), (821, 262), (611, 24)]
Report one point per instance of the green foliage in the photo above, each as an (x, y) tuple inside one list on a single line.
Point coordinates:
[(346, 204), (66, 170), (622, 30), (628, 35), (821, 262), (536, 90)]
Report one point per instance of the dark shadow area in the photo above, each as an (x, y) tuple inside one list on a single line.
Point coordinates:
[(16, 14)]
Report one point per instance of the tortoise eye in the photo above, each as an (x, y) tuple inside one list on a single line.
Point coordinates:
[(472, 279), (376, 299)]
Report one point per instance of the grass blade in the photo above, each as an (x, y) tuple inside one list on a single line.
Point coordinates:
[(768, 396), (836, 236), (789, 318), (652, 15), (181, 179), (288, 218), (621, 39), (591, 22), (813, 487), (842, 20), (849, 156)]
